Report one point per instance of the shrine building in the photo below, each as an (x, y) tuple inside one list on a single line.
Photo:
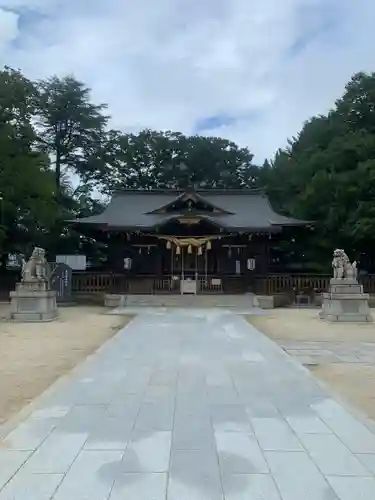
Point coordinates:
[(192, 241)]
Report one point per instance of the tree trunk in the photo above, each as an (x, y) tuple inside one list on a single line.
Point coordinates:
[(58, 175), (56, 229)]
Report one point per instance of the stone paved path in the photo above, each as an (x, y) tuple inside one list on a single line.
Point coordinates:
[(190, 405)]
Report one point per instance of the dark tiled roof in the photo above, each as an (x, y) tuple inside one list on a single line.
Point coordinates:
[(244, 209)]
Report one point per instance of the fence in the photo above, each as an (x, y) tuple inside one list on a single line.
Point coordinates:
[(91, 283), (287, 283), (96, 283), (305, 283), (87, 282)]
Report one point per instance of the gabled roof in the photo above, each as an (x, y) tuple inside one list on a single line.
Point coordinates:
[(241, 210), (189, 195)]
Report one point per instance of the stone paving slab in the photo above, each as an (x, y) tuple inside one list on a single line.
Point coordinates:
[(189, 405), (320, 352)]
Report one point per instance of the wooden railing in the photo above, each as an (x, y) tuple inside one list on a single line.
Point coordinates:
[(211, 285), (314, 283), (165, 285), (368, 284), (92, 282), (289, 283), (169, 285), (266, 285), (119, 283)]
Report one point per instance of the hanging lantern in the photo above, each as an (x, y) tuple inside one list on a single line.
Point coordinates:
[(190, 249), (199, 250), (178, 250), (140, 250), (250, 236), (229, 252), (169, 246), (208, 246)]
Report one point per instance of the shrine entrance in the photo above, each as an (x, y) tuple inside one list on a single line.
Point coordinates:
[(190, 263)]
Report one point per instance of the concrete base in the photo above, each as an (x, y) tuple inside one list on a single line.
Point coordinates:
[(272, 301), (265, 301), (33, 302), (345, 302)]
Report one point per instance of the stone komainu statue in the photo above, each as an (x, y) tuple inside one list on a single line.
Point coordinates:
[(342, 268), (35, 268)]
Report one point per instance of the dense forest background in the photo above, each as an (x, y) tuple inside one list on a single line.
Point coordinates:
[(51, 130)]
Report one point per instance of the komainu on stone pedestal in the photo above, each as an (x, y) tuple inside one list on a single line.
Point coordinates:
[(342, 268), (345, 300), (35, 268), (33, 300)]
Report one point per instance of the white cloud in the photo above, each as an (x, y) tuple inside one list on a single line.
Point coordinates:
[(172, 63), (8, 28)]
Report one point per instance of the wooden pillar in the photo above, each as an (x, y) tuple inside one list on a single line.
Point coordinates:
[(160, 251), (116, 251), (172, 250), (249, 275), (206, 263), (266, 255)]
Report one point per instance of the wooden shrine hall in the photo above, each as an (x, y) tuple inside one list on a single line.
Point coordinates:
[(187, 242)]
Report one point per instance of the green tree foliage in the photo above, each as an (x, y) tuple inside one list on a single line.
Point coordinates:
[(328, 173), (27, 206), (47, 129), (154, 159), (72, 132), (71, 129), (78, 202)]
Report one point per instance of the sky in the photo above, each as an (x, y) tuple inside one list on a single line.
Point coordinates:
[(251, 71)]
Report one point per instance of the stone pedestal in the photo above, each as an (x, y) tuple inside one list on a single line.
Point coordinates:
[(345, 302), (33, 302)]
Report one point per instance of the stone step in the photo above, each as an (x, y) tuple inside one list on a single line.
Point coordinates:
[(116, 300)]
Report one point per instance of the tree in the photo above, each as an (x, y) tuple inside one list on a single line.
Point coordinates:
[(328, 174), (71, 129), (27, 206), (154, 159), (355, 110), (78, 202)]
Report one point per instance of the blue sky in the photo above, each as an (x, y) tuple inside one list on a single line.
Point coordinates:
[(251, 71)]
